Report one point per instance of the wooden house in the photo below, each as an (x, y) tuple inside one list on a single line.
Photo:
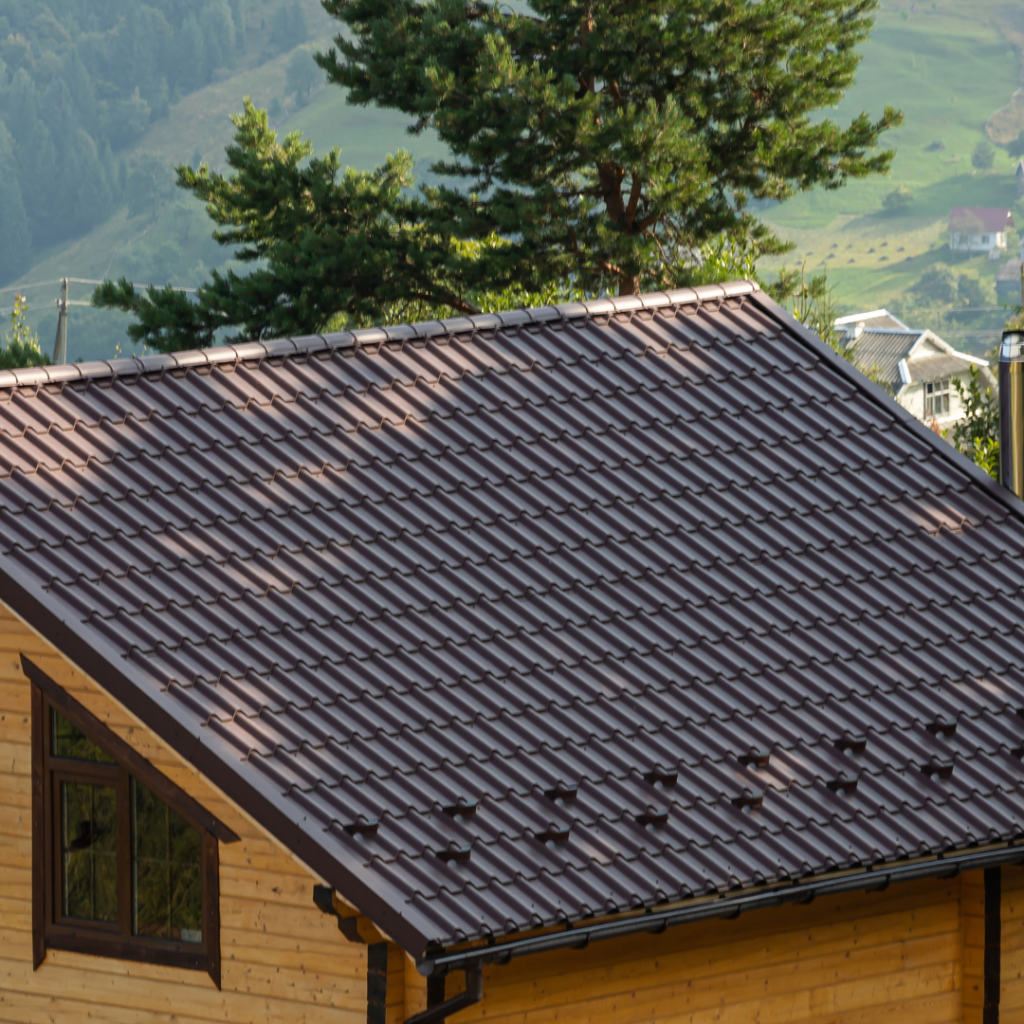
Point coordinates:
[(627, 661)]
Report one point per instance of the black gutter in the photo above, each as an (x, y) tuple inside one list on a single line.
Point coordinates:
[(726, 906)]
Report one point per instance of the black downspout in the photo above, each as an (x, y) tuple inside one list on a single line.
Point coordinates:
[(993, 945), (435, 991), (377, 983), (437, 1014)]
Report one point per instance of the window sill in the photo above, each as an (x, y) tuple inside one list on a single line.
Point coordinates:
[(85, 940)]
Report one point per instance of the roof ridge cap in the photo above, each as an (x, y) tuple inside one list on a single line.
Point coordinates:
[(219, 355)]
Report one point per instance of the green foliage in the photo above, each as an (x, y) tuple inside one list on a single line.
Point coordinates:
[(614, 140), (812, 302), (938, 283), (898, 200), (969, 291), (984, 156), (150, 186), (977, 434), (1016, 148), (302, 75), (720, 259), (942, 285), (21, 346)]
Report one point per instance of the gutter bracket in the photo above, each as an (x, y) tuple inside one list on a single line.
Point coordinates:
[(473, 994)]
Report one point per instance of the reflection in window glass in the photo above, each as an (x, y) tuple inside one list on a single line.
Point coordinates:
[(69, 742), (89, 851), (167, 884)]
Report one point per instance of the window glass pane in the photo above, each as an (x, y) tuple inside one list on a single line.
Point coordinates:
[(69, 742), (88, 816), (167, 883)]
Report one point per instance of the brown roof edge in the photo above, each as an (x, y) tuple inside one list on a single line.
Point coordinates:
[(102, 666), (945, 450), (224, 355)]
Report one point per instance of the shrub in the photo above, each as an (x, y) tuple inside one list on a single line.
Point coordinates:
[(937, 283), (898, 200), (984, 156)]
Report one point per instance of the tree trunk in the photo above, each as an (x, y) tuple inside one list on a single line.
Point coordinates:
[(629, 284)]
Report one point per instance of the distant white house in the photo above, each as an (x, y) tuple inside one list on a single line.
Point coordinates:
[(918, 366), (977, 229)]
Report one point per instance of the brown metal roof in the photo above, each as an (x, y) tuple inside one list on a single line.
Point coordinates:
[(530, 617)]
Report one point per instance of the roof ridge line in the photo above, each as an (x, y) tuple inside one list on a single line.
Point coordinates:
[(220, 355)]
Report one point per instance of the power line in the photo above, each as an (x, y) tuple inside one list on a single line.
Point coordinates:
[(64, 302)]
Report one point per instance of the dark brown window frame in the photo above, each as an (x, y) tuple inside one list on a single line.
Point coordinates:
[(49, 931)]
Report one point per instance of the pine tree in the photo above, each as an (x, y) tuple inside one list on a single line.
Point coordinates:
[(192, 63), (86, 184), (323, 242), (240, 19), (37, 176), (610, 139), (218, 30), (600, 145)]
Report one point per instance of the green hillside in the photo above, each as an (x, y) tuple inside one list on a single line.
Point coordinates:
[(170, 241), (947, 64)]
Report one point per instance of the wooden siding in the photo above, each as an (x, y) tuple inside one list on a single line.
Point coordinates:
[(283, 961), (858, 959), (1011, 996)]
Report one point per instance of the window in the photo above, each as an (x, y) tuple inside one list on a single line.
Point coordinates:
[(125, 863), (936, 397)]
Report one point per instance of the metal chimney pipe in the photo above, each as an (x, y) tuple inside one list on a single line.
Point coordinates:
[(1011, 411)]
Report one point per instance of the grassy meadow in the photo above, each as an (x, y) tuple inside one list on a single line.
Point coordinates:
[(949, 66)]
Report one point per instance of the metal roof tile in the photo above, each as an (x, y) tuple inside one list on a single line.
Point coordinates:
[(386, 571)]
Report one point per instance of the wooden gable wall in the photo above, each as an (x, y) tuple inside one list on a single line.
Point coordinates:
[(283, 961)]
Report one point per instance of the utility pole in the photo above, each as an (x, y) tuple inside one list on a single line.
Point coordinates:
[(60, 344)]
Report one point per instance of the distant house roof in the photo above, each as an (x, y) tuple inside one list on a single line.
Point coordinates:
[(882, 351), (513, 620), (1020, 169), (874, 318), (924, 355), (937, 367), (992, 219)]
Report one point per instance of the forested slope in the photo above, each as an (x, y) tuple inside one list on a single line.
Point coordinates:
[(81, 80)]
